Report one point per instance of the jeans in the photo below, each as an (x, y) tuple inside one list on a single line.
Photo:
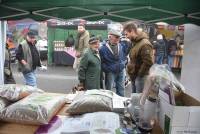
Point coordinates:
[(159, 59), (138, 84), (30, 78), (118, 79), (170, 61)]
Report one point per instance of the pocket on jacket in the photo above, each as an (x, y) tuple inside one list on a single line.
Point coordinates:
[(130, 68)]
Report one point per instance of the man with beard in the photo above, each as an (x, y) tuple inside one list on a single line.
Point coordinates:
[(140, 56), (81, 44)]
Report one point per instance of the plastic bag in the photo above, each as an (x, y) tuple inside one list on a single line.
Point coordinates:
[(14, 92), (91, 101), (160, 78), (3, 103), (37, 108)]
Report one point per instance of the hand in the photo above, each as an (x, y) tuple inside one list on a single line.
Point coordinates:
[(7, 72), (78, 54), (23, 62), (80, 87), (43, 68)]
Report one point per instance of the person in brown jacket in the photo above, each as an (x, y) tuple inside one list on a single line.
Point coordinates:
[(141, 56), (81, 44)]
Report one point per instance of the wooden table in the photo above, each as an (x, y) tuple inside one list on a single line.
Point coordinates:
[(13, 128)]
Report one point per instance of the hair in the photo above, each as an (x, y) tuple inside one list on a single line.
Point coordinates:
[(81, 24), (129, 26)]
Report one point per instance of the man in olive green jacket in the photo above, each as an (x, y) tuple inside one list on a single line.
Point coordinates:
[(90, 66), (141, 56)]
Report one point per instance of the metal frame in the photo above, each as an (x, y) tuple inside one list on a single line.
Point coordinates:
[(15, 9), (162, 19), (177, 15), (99, 13), (194, 17), (130, 9), (2, 49), (38, 12)]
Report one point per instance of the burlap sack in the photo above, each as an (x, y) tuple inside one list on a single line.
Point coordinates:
[(37, 108), (14, 92), (91, 101), (3, 103)]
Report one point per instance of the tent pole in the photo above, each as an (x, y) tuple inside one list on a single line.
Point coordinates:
[(38, 12), (162, 19), (128, 18), (2, 49), (85, 9), (130, 9), (191, 15), (14, 15), (52, 17), (164, 11), (194, 17)]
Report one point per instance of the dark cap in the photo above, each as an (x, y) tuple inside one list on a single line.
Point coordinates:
[(9, 35), (93, 40), (31, 34)]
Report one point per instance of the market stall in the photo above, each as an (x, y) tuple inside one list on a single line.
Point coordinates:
[(63, 55), (58, 33), (34, 111), (12, 128)]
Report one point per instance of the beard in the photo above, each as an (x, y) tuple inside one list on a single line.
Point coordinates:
[(132, 39)]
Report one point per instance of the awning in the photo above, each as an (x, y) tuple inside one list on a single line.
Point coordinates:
[(147, 11)]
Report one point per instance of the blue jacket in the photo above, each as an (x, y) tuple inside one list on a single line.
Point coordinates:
[(109, 62)]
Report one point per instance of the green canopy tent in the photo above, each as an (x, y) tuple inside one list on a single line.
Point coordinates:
[(148, 11), (145, 11)]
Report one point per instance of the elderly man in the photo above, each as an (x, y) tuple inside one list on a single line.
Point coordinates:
[(90, 66), (113, 58), (140, 56), (28, 58)]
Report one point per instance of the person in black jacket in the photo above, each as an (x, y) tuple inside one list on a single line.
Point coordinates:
[(161, 49), (28, 59), (8, 77), (70, 41)]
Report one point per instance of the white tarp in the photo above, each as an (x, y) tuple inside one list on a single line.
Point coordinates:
[(2, 49), (190, 74)]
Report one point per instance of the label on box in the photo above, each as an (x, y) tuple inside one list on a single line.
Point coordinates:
[(185, 130)]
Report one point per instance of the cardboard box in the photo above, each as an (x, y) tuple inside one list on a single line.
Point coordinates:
[(184, 119)]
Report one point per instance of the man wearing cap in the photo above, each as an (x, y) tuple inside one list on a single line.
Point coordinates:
[(81, 43), (140, 56), (113, 56), (90, 66), (29, 59)]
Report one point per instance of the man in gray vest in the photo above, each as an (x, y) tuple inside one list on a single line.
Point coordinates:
[(29, 59)]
